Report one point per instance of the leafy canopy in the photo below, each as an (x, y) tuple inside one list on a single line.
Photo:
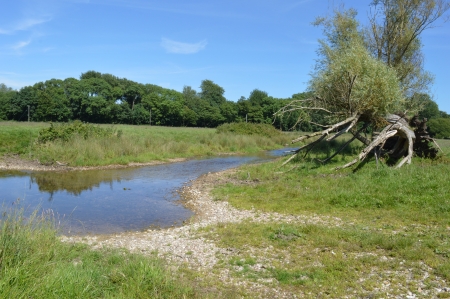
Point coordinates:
[(349, 81)]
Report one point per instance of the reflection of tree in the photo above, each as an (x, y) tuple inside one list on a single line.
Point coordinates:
[(73, 182), (12, 173)]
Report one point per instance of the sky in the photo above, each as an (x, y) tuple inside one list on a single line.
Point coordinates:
[(240, 45)]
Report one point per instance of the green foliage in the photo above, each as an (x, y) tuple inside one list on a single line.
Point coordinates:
[(6, 95), (212, 93), (429, 109), (243, 128), (104, 98), (348, 80), (67, 131), (439, 127)]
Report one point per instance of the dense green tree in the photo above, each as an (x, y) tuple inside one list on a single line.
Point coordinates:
[(212, 93), (6, 95), (189, 117), (140, 115), (97, 101), (429, 107), (132, 93), (229, 111), (104, 98), (444, 114), (208, 115), (439, 127), (243, 107), (18, 107), (90, 74), (110, 79), (53, 104), (257, 97)]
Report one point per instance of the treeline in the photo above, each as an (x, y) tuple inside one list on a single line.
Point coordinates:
[(104, 98)]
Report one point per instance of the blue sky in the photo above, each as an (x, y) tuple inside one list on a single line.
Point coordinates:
[(240, 45)]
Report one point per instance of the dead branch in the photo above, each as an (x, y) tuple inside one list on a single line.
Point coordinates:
[(327, 131)]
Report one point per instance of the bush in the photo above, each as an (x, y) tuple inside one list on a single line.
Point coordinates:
[(66, 131), (439, 128), (249, 129)]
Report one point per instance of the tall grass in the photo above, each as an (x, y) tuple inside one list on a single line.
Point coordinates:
[(137, 144), (34, 263)]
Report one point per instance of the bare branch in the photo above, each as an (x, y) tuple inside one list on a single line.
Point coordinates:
[(327, 131)]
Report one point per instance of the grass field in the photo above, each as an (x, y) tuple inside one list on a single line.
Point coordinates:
[(129, 144), (394, 228)]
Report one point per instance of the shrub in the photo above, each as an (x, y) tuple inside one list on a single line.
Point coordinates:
[(249, 129), (66, 131), (439, 128)]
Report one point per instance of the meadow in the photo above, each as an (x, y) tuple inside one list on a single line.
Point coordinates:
[(128, 144), (367, 232), (378, 232)]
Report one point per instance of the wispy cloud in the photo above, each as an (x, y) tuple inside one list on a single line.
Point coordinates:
[(23, 25), (21, 45), (29, 23), (172, 46)]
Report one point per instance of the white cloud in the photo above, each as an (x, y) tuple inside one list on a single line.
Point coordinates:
[(23, 25), (172, 46), (28, 23), (21, 45)]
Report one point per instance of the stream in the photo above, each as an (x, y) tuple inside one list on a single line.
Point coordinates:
[(113, 200)]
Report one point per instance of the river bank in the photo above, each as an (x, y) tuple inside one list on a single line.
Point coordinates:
[(186, 246), (362, 251), (14, 162), (196, 247)]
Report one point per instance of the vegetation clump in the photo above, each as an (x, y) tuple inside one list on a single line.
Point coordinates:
[(439, 128), (34, 263), (243, 128), (66, 131)]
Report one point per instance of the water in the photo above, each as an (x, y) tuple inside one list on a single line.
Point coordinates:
[(114, 200)]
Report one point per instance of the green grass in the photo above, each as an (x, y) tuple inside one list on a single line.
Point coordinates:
[(133, 144), (17, 138), (393, 225), (34, 263)]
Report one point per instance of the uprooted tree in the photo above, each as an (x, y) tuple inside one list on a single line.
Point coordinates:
[(361, 83)]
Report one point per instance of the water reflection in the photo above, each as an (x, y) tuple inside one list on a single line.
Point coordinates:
[(113, 200), (74, 182)]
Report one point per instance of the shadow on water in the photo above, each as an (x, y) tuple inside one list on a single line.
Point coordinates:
[(113, 200)]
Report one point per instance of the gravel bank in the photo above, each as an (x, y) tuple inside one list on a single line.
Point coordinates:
[(186, 246)]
